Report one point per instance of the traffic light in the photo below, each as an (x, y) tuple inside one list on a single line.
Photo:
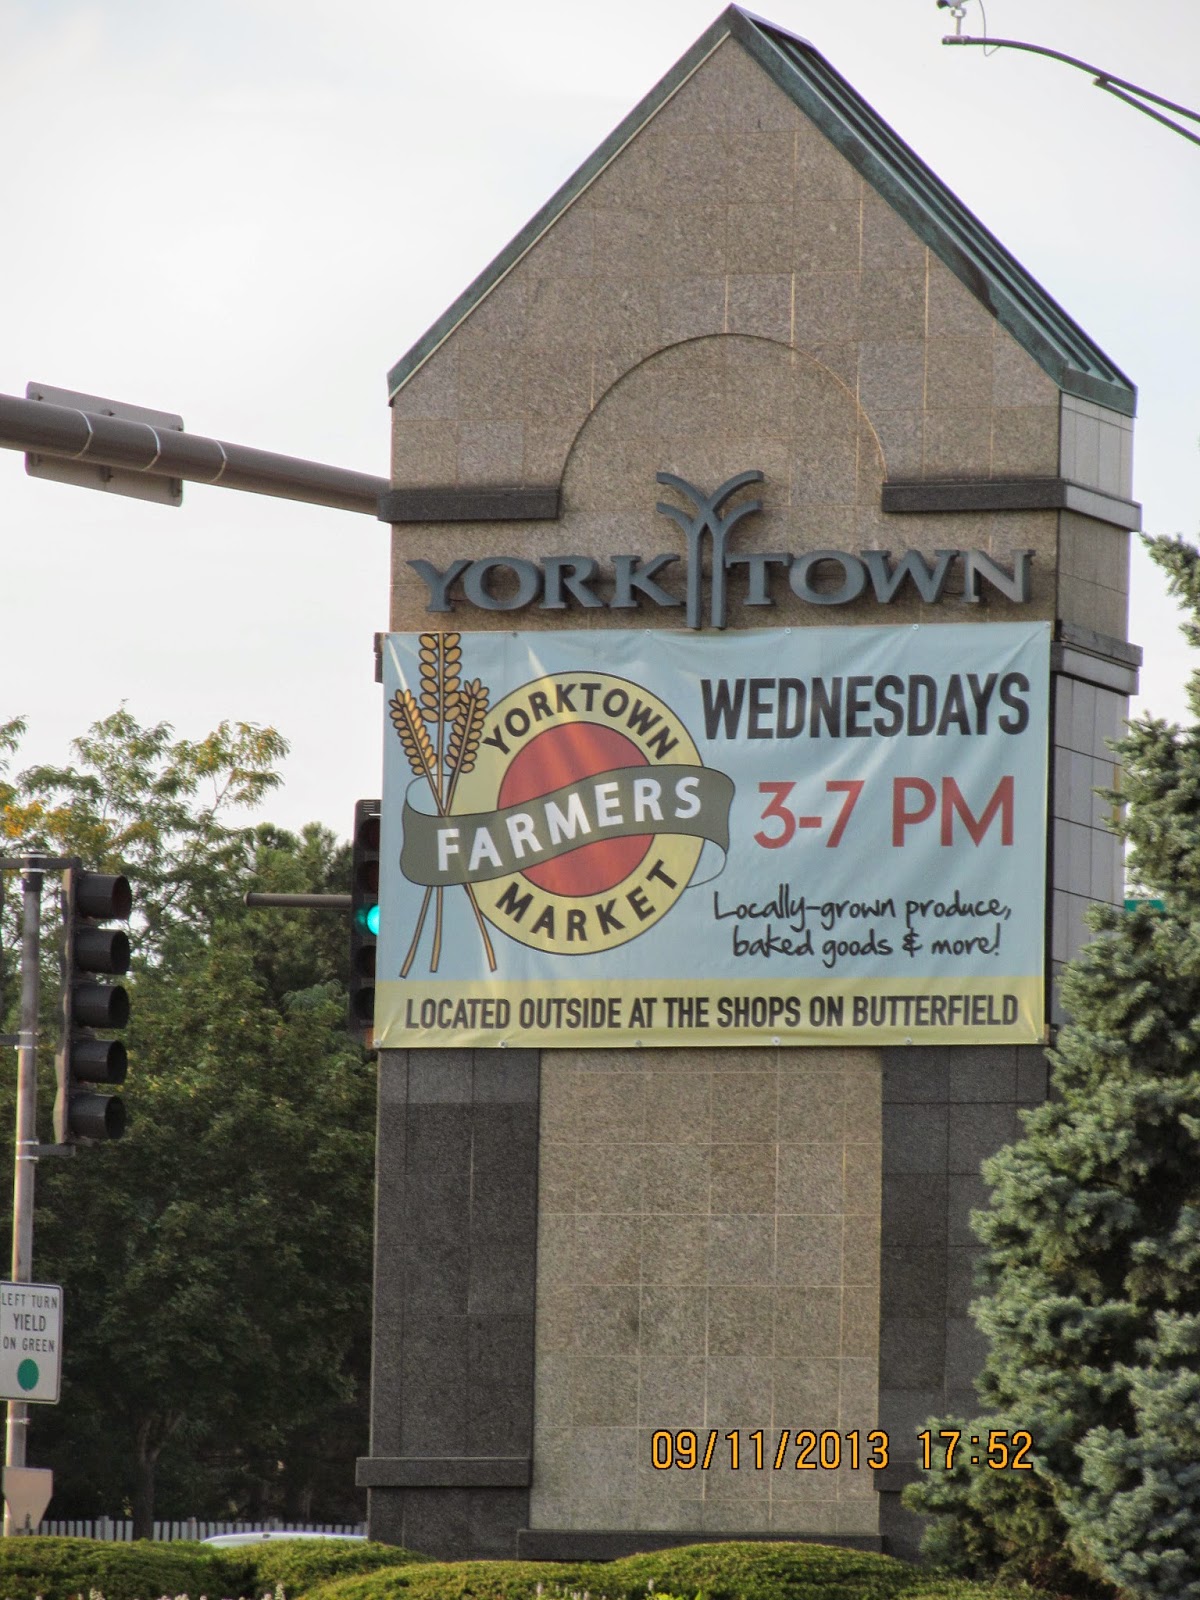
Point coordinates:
[(88, 950), (364, 915)]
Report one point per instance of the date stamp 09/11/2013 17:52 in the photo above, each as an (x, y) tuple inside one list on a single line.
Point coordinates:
[(806, 1450)]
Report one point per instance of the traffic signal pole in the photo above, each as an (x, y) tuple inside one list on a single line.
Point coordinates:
[(27, 1149), (94, 435), (31, 927), (363, 905), (25, 1163), (298, 902)]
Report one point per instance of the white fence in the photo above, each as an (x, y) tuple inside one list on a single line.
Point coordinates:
[(189, 1528)]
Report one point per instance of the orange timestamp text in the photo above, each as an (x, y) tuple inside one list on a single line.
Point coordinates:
[(813, 1450), (999, 1450), (805, 1450)]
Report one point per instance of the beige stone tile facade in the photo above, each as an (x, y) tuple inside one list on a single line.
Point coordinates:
[(1093, 574), (708, 1260), (727, 293)]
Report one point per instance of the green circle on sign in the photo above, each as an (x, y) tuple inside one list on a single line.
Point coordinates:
[(28, 1374)]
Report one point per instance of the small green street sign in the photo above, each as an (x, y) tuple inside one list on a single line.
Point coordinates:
[(30, 1342), (1155, 905)]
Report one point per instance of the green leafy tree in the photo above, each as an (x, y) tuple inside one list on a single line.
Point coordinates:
[(215, 1262), (1091, 1265), (141, 801)]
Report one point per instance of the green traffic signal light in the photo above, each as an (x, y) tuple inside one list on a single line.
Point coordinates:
[(364, 914)]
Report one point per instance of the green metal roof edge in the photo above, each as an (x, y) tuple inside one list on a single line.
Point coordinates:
[(935, 213), (559, 201)]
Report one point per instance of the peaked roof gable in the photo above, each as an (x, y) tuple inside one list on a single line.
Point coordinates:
[(976, 257)]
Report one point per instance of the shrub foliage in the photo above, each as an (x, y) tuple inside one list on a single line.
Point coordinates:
[(64, 1569), (1092, 1239), (734, 1571)]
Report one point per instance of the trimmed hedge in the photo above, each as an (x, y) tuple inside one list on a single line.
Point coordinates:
[(735, 1571), (301, 1564), (319, 1569), (760, 1571), (60, 1569), (968, 1589)]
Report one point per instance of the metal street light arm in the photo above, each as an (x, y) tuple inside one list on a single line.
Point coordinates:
[(1121, 88), (76, 434)]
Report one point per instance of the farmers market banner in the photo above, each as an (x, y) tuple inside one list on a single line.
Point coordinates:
[(809, 836)]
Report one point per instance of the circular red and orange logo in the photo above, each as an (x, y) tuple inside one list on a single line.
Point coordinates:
[(555, 735)]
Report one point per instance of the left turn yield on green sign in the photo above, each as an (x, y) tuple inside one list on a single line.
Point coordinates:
[(30, 1341)]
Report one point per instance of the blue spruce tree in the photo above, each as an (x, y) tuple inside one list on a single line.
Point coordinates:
[(1091, 1267)]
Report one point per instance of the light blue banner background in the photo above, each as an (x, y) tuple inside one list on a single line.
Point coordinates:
[(690, 941)]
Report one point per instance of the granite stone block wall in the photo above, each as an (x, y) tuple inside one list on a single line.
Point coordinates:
[(944, 1111), (729, 292), (455, 1247), (577, 1251), (708, 1258), (1087, 865)]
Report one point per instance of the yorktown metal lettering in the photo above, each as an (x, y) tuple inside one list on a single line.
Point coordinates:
[(824, 577)]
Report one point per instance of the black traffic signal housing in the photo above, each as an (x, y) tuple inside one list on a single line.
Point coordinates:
[(364, 915), (90, 950)]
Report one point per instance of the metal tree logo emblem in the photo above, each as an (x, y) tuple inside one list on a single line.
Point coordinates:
[(706, 520), (573, 813)]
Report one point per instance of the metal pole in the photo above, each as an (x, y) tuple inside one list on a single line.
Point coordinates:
[(300, 902), (25, 1162), (1101, 79), (40, 428)]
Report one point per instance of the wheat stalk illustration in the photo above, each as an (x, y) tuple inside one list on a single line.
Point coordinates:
[(457, 713), (414, 736), (466, 732), (441, 662)]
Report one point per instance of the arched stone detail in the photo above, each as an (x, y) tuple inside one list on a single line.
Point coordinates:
[(709, 407)]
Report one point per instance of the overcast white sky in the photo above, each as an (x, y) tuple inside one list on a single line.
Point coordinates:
[(246, 210)]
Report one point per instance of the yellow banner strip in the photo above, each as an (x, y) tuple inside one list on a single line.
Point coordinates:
[(625, 1012)]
